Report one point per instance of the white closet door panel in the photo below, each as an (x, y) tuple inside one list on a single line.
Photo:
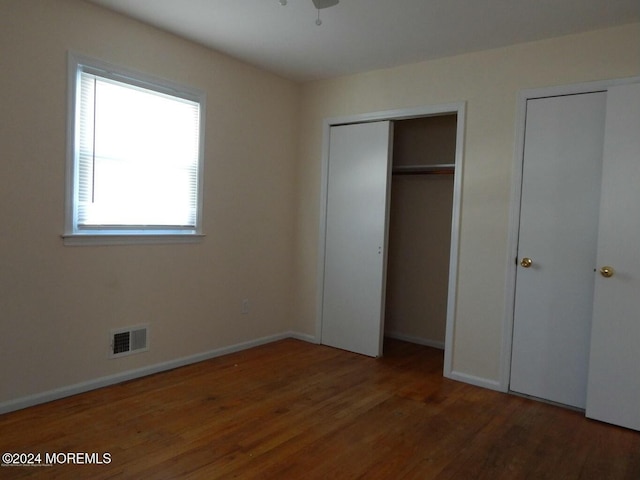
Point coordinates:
[(356, 230), (558, 231), (614, 368)]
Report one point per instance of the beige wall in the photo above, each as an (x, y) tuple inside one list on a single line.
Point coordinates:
[(57, 303), (489, 82)]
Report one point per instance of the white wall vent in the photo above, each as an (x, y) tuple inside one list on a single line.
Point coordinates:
[(130, 340)]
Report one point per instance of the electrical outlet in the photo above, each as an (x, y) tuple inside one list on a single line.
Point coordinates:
[(244, 308)]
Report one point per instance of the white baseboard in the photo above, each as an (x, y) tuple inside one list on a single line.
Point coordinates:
[(302, 336), (50, 395), (477, 381), (419, 340)]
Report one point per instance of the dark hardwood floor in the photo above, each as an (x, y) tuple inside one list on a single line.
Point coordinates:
[(292, 410)]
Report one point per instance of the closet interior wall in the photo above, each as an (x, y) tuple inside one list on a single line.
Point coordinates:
[(420, 229)]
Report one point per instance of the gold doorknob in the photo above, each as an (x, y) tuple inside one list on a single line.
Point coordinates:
[(526, 262), (607, 271)]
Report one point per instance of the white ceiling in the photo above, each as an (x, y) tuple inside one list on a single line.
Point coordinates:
[(361, 35)]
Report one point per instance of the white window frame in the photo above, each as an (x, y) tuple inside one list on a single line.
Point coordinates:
[(113, 236)]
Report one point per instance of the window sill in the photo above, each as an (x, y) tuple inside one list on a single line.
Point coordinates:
[(85, 239)]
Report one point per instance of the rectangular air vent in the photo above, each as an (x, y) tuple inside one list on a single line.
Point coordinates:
[(126, 341)]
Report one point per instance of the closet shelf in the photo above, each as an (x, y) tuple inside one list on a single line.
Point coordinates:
[(440, 169)]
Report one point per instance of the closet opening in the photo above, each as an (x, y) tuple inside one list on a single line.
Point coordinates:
[(420, 221), (389, 229)]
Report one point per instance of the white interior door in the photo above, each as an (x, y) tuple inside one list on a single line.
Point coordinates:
[(558, 232), (614, 368), (356, 232)]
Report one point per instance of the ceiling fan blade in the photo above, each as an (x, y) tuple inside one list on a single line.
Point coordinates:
[(325, 3)]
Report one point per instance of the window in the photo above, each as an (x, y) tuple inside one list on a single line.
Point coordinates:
[(135, 157)]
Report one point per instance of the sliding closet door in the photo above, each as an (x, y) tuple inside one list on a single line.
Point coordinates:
[(613, 393), (356, 233)]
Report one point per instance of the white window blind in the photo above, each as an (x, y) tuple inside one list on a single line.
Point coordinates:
[(136, 157)]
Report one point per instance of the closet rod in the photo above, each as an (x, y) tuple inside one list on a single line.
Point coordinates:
[(440, 169)]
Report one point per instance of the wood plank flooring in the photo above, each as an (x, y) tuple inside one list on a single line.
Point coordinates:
[(292, 410)]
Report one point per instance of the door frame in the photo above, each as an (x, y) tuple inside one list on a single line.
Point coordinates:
[(516, 194), (457, 108)]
